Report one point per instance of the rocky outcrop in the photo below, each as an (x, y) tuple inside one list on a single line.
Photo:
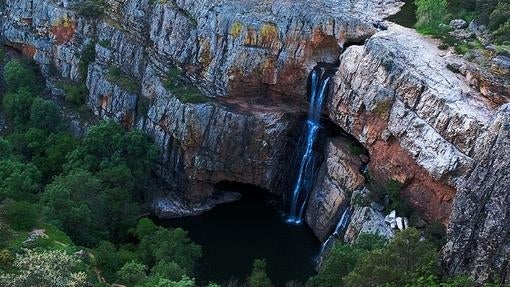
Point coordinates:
[(338, 177), (426, 127), (478, 233), (365, 219), (417, 119)]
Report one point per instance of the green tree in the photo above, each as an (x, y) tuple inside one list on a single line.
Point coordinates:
[(17, 105), (339, 262), (342, 259), (169, 245), (44, 268), (258, 276), (145, 227), (6, 149), (68, 201), (169, 270), (18, 74), (156, 281), (20, 181), (58, 146), (108, 144), (21, 215), (132, 273), (406, 257), (45, 115), (107, 260), (430, 13)]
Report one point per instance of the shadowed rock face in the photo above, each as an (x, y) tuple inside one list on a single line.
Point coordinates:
[(421, 124)]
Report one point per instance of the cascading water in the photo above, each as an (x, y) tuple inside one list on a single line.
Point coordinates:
[(339, 228), (305, 176)]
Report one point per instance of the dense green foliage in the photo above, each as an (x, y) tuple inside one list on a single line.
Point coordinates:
[(342, 259), (430, 13), (406, 260), (397, 202), (43, 269), (85, 194), (406, 257), (75, 93), (495, 14)]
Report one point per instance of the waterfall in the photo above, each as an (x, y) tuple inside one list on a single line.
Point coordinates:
[(305, 175), (339, 228)]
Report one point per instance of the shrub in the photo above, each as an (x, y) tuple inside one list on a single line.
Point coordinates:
[(18, 74), (355, 149), (20, 181), (116, 76), (169, 245), (430, 14), (170, 270), (21, 215), (5, 235), (142, 105), (397, 202), (46, 268), (75, 93), (176, 83), (339, 262), (17, 105), (405, 258), (132, 273), (45, 115), (502, 34), (258, 276), (435, 232), (88, 56), (105, 43), (90, 8), (6, 148), (145, 227), (6, 258)]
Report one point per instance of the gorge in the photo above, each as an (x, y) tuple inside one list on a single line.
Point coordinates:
[(237, 92)]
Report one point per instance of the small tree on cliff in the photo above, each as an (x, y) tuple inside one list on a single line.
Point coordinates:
[(430, 14), (258, 276)]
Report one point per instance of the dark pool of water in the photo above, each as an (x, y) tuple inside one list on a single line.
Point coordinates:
[(407, 15), (234, 234)]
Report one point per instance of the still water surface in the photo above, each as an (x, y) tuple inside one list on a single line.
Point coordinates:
[(234, 234)]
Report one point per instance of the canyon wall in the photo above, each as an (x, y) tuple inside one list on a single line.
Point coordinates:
[(422, 124)]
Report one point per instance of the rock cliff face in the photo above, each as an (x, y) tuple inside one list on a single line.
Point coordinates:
[(424, 126), (252, 61), (421, 123)]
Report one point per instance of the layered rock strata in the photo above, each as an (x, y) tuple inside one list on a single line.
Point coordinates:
[(421, 123)]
